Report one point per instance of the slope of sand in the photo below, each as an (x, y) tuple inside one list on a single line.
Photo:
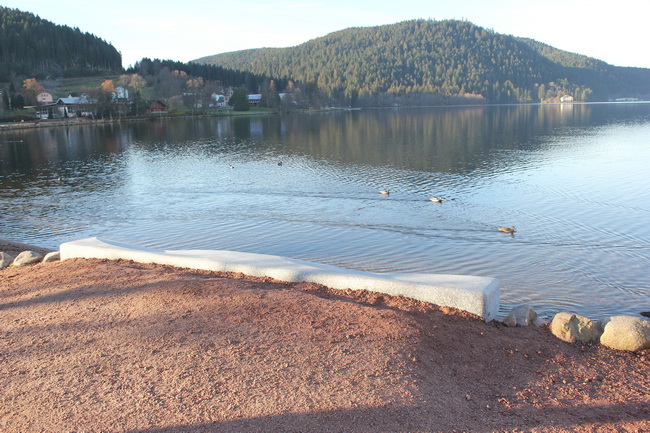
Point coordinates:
[(116, 346)]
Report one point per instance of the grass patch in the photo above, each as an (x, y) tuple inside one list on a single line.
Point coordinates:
[(63, 87)]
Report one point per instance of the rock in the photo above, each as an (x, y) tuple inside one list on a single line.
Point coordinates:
[(626, 333), (572, 327), (521, 315), (27, 258), (5, 260), (541, 321), (54, 256)]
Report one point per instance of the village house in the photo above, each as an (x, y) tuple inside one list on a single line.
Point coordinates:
[(120, 94), (255, 99), (72, 106), (44, 98), (219, 100), (121, 100), (157, 107)]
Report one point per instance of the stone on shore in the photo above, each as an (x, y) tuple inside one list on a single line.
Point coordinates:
[(54, 256), (521, 315), (6, 260), (572, 328), (625, 333), (27, 258)]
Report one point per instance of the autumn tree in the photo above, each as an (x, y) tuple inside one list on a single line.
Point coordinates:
[(105, 98), (124, 80), (31, 89), (134, 83)]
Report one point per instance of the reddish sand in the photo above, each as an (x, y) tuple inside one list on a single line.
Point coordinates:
[(116, 346)]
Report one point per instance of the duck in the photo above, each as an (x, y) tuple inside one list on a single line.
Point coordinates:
[(384, 191), (437, 199), (231, 166), (507, 229)]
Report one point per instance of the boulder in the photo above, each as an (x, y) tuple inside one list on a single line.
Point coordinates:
[(521, 315), (27, 258), (5, 260), (541, 321), (625, 333), (54, 256), (572, 327)]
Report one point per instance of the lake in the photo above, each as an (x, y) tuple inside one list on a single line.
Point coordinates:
[(572, 178)]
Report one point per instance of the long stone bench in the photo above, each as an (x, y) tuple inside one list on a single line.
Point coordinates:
[(478, 295)]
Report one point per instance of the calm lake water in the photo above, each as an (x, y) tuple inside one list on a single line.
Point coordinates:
[(573, 179)]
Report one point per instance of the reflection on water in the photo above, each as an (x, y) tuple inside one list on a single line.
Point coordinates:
[(570, 177)]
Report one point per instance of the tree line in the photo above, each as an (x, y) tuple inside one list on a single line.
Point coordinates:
[(192, 85)]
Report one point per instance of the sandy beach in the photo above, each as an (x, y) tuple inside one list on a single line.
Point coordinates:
[(118, 346)]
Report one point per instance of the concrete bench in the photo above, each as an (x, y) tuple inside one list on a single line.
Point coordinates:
[(477, 295)]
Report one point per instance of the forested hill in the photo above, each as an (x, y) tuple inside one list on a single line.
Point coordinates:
[(31, 46), (448, 58)]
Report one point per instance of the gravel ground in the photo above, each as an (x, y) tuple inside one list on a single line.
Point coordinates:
[(118, 346)]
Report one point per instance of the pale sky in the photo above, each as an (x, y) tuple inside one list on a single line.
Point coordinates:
[(613, 31)]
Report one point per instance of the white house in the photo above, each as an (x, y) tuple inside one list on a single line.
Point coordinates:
[(121, 94), (44, 98), (219, 100)]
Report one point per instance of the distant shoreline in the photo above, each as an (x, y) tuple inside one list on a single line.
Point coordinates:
[(82, 121)]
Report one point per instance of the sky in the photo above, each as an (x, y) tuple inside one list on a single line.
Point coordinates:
[(612, 31)]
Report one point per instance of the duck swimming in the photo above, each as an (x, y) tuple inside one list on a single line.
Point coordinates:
[(507, 229), (436, 199), (384, 191)]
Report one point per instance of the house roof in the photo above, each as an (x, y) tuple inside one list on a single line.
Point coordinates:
[(69, 100), (77, 100)]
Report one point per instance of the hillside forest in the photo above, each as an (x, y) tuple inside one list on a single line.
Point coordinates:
[(439, 58), (38, 48)]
